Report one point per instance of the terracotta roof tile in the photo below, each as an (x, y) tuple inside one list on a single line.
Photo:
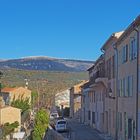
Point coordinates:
[(7, 89)]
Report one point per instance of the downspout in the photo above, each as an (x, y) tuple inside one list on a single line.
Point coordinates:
[(116, 129), (104, 97), (137, 96)]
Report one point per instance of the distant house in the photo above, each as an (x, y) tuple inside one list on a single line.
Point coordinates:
[(10, 94), (10, 115), (75, 100), (62, 98)]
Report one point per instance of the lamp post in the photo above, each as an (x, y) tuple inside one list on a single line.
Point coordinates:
[(111, 94)]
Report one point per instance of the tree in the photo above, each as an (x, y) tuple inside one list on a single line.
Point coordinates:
[(22, 104), (34, 98), (9, 128), (41, 124)]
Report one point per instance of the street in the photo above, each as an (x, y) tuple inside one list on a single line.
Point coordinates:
[(79, 131), (83, 132)]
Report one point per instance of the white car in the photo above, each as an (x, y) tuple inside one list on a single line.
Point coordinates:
[(61, 126), (54, 115)]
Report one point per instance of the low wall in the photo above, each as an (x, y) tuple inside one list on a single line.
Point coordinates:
[(53, 135)]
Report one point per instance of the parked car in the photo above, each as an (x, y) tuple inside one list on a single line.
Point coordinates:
[(60, 118), (54, 115), (61, 126)]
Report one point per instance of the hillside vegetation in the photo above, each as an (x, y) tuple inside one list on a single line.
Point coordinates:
[(45, 83)]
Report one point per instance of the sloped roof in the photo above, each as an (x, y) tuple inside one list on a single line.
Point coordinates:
[(5, 107), (114, 35), (7, 89), (129, 29)]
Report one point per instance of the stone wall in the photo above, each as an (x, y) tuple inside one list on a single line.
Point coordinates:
[(53, 135)]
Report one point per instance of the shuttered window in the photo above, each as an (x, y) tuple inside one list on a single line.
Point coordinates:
[(124, 53), (123, 84), (130, 85), (133, 49), (126, 86), (121, 87), (125, 125)]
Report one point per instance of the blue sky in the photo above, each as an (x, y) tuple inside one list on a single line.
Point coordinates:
[(73, 29)]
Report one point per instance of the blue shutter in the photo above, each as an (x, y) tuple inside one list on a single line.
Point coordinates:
[(130, 50), (135, 48)]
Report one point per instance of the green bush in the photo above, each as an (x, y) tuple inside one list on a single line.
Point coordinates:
[(22, 104), (9, 128), (41, 124)]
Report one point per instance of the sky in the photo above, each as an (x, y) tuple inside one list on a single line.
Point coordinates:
[(74, 29)]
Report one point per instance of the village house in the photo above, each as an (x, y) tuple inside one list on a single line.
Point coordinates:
[(110, 84), (10, 94), (10, 115), (111, 100), (85, 114), (75, 101), (128, 88), (63, 99), (93, 94)]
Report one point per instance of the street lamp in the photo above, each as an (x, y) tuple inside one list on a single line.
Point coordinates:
[(110, 94)]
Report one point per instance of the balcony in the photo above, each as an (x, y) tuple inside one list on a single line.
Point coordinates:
[(99, 76)]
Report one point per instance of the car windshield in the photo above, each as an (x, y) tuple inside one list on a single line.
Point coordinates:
[(54, 115), (62, 122)]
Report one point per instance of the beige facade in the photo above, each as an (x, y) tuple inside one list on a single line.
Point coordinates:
[(10, 94), (10, 115), (110, 74), (75, 100), (93, 95), (111, 98), (128, 109)]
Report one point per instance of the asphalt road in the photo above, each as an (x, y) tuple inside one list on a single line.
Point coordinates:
[(78, 131), (82, 132)]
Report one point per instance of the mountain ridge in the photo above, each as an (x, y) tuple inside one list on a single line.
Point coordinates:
[(46, 63)]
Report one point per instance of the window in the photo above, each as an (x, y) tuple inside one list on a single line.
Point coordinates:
[(126, 86), (93, 117), (97, 116), (100, 96), (88, 115), (119, 57), (108, 68), (121, 88), (130, 85), (113, 119), (113, 66), (125, 54), (123, 84), (130, 128), (133, 49), (120, 121), (125, 125), (94, 97)]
